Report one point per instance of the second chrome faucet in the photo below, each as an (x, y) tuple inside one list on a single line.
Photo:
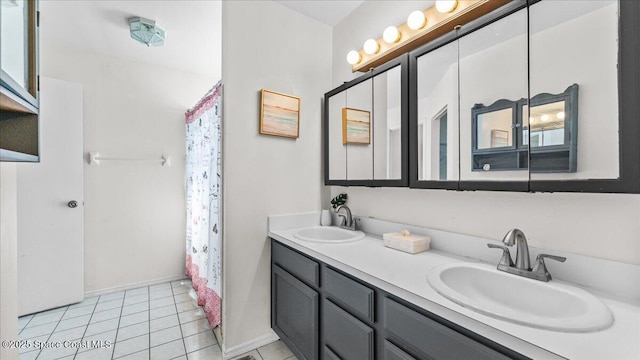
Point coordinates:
[(347, 221), (522, 266)]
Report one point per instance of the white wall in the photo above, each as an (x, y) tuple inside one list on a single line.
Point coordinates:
[(265, 45), (8, 259), (134, 212), (601, 225)]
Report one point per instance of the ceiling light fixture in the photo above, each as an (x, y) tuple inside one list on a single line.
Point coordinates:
[(544, 117), (560, 115), (416, 20), (146, 31), (371, 47), (391, 35), (446, 6), (9, 3), (421, 28)]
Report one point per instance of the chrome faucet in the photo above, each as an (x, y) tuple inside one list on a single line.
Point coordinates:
[(522, 265), (347, 219), (516, 236)]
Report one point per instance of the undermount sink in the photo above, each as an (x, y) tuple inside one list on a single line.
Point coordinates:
[(546, 305), (328, 234)]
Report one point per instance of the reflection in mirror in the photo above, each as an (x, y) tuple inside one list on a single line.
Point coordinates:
[(356, 131), (552, 132), (337, 151), (437, 76), (387, 128), (546, 123), (14, 42), (494, 137), (574, 42), (494, 129), (493, 70)]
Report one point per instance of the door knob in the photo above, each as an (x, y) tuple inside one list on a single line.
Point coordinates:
[(72, 204)]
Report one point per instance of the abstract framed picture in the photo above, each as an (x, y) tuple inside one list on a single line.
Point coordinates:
[(279, 114), (356, 126)]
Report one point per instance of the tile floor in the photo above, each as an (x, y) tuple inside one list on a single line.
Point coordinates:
[(159, 322)]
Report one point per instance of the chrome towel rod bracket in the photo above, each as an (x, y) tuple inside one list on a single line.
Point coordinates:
[(95, 158)]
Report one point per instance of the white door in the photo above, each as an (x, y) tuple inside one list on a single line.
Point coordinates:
[(50, 227)]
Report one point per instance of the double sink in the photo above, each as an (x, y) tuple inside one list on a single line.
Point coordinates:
[(480, 287)]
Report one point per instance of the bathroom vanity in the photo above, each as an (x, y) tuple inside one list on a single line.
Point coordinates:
[(361, 300), (357, 320)]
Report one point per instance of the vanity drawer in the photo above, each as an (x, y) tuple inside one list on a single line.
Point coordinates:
[(346, 336), (357, 298), (297, 264), (429, 338), (392, 352)]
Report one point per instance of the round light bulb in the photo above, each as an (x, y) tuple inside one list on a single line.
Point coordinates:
[(371, 47), (560, 115), (353, 57), (416, 20), (391, 35), (446, 6), (544, 117), (531, 120)]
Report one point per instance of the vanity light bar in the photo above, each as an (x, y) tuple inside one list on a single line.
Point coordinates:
[(436, 24)]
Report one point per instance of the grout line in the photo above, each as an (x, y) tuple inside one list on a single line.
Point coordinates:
[(135, 337), (135, 352), (184, 344), (85, 330), (149, 322), (115, 341), (54, 329), (42, 312)]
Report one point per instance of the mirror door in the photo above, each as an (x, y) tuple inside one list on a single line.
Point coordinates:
[(434, 118), (387, 126), (493, 79), (573, 125), (357, 131), (336, 169), (366, 130)]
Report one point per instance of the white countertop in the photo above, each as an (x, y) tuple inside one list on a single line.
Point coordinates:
[(404, 275)]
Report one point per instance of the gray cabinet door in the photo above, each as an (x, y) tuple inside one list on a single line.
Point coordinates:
[(392, 352), (429, 338), (348, 337), (294, 313)]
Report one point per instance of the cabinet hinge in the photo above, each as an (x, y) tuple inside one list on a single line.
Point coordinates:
[(38, 85), (38, 18)]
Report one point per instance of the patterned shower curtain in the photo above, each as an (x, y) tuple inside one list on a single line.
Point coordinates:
[(204, 205)]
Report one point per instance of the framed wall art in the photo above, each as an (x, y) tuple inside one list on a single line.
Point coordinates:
[(279, 114)]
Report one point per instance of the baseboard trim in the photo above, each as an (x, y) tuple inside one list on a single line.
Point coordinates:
[(249, 345), (133, 285)]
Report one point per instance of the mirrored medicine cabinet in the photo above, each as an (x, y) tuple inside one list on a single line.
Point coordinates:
[(535, 96), (366, 129)]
